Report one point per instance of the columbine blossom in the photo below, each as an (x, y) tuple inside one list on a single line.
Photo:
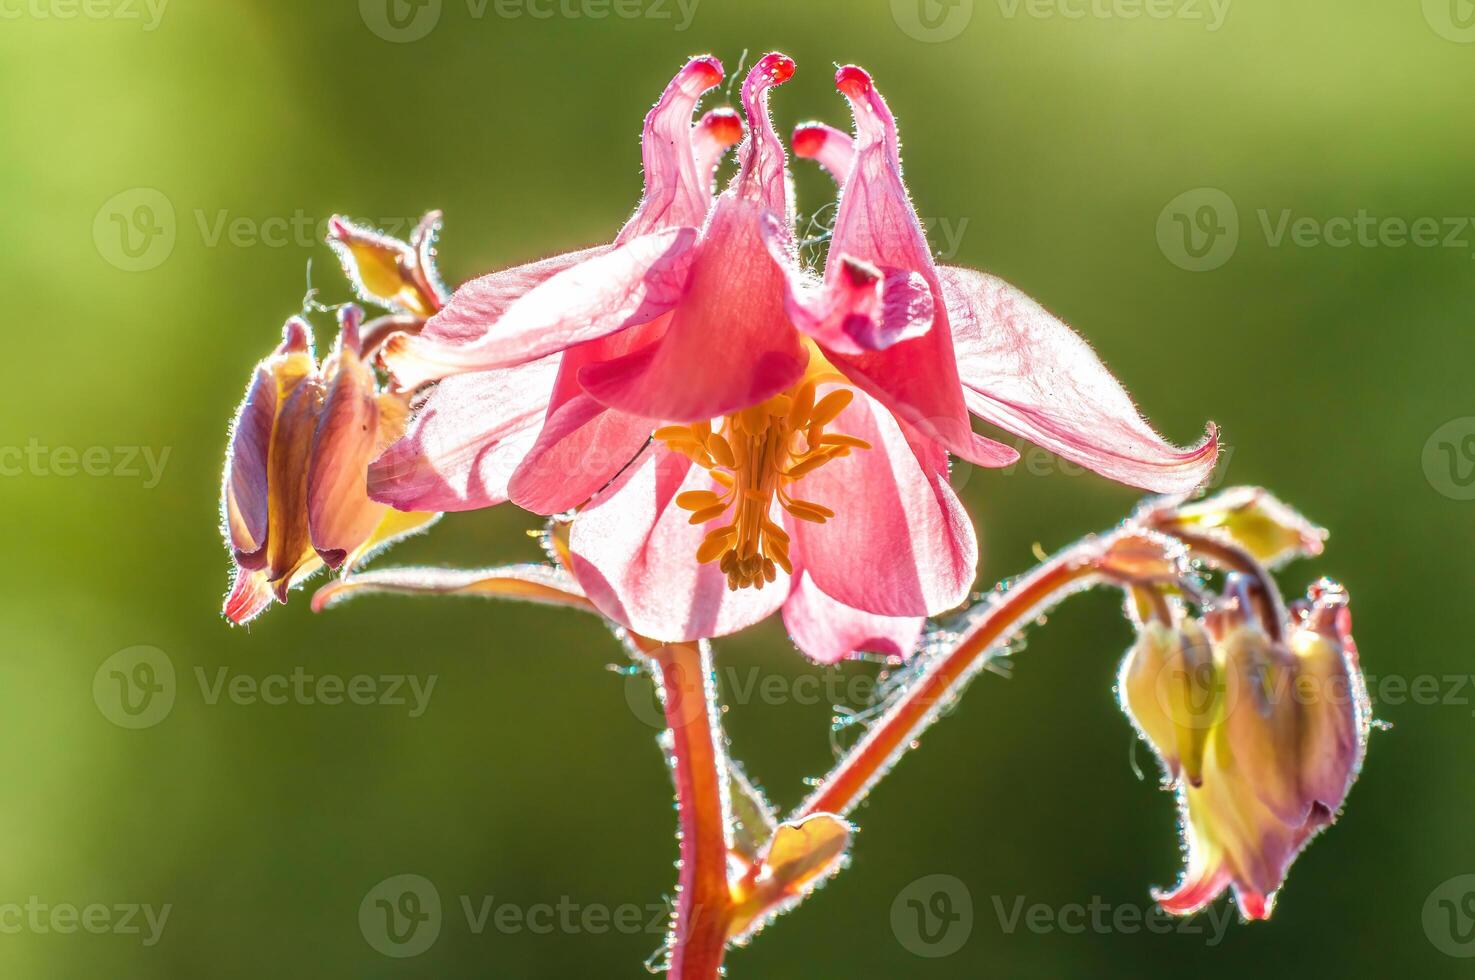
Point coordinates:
[(802, 426)]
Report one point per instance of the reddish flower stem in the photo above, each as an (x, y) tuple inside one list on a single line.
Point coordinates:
[(853, 777), (700, 768)]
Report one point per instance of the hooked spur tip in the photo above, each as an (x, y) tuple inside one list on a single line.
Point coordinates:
[(333, 558), (853, 81), (775, 67), (350, 318), (296, 336), (704, 70), (724, 124), (808, 140)]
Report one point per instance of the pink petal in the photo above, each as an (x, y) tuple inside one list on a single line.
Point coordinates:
[(634, 553), (730, 343), (676, 192), (860, 308), (827, 146), (481, 302), (465, 442), (828, 631), (763, 168), (1027, 372), (250, 595), (340, 515), (916, 379), (734, 297), (717, 132), (1194, 892), (580, 449), (630, 284), (583, 444), (876, 221), (289, 545), (244, 501), (900, 543), (533, 583)]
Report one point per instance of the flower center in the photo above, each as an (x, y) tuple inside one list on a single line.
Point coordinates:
[(757, 456)]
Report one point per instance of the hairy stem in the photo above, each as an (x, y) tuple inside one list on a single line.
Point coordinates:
[(885, 741), (699, 932)]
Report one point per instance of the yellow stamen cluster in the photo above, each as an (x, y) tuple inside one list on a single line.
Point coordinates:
[(758, 455)]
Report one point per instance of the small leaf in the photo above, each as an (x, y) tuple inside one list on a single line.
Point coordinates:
[(799, 857)]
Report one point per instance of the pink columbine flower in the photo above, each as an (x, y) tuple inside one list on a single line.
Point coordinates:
[(802, 426)]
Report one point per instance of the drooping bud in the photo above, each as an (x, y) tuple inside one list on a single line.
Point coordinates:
[(1261, 724), (1281, 748), (294, 494), (1171, 688), (1336, 714)]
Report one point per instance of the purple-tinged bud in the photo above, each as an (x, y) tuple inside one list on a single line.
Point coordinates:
[(294, 494)]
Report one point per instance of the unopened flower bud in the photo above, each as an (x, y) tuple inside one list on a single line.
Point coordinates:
[(389, 272), (294, 495), (1261, 724), (1333, 698), (1253, 519), (1172, 690), (1282, 749)]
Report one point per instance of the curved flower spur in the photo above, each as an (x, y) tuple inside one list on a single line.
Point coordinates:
[(724, 433), (802, 427)]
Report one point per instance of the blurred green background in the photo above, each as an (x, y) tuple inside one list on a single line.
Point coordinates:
[(1047, 148)]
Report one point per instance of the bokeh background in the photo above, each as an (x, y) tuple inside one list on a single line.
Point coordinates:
[(1049, 148)]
